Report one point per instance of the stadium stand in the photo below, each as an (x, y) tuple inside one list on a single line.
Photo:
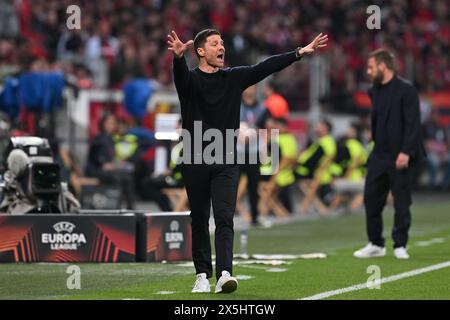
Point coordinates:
[(122, 42)]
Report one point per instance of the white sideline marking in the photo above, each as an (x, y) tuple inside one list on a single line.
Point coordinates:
[(276, 270), (396, 277), (243, 263), (430, 242), (314, 255), (165, 292)]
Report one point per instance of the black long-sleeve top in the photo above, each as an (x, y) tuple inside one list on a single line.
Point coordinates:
[(215, 98), (101, 151)]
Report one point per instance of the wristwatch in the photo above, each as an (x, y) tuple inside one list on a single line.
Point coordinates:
[(297, 54)]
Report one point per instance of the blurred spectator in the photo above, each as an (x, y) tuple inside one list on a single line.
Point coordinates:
[(153, 185), (351, 155), (251, 111), (282, 181), (102, 162), (71, 45), (126, 67), (315, 161), (9, 21), (101, 51), (83, 76), (276, 104), (131, 145), (126, 143), (417, 31), (102, 44), (102, 149), (349, 167)]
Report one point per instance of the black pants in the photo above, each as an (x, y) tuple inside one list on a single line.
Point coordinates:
[(253, 177), (284, 195), (123, 179), (152, 190), (382, 176), (217, 184)]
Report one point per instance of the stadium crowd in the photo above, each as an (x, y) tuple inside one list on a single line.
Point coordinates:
[(129, 37), (126, 39)]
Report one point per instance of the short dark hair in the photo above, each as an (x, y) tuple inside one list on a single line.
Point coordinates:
[(327, 124), (383, 55), (201, 37), (280, 120), (273, 84), (103, 119), (357, 127)]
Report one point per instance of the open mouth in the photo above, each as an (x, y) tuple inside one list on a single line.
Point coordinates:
[(220, 56)]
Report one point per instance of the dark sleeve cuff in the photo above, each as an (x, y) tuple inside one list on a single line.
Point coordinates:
[(297, 55), (409, 153), (175, 58)]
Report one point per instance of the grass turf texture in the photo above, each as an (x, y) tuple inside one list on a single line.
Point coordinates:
[(337, 237)]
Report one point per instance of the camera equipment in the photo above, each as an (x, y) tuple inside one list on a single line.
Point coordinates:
[(32, 180)]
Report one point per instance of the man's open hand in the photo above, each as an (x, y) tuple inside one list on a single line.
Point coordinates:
[(176, 46), (402, 161), (319, 42)]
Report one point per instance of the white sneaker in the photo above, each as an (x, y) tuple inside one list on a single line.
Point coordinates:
[(401, 253), (370, 251), (201, 284), (226, 283)]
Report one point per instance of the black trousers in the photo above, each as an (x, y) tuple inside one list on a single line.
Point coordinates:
[(216, 184), (382, 176), (151, 190), (285, 197), (123, 179), (253, 176)]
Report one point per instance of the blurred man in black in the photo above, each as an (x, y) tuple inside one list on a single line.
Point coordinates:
[(102, 161), (398, 149), (251, 113), (211, 94)]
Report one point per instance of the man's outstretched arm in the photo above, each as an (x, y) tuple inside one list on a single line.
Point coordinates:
[(180, 68), (249, 75)]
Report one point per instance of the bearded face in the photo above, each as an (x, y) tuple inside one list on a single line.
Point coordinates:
[(375, 71), (213, 51)]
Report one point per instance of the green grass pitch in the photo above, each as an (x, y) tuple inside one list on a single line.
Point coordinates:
[(337, 237)]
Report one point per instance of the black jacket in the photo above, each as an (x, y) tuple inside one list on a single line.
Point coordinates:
[(101, 151), (402, 120)]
